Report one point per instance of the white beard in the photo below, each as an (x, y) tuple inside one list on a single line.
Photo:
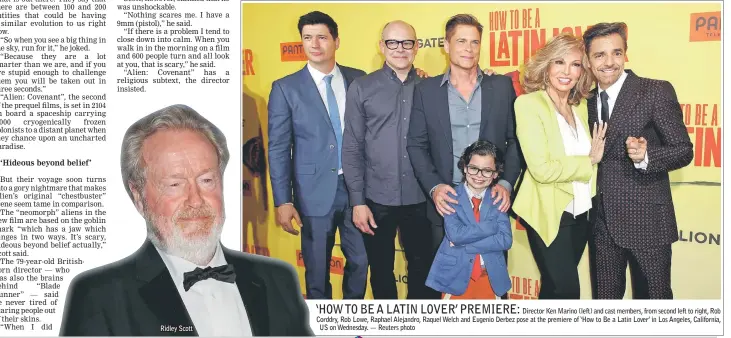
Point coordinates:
[(198, 250)]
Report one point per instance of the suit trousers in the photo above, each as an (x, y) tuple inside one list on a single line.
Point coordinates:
[(649, 267), (318, 240), (558, 262), (415, 237)]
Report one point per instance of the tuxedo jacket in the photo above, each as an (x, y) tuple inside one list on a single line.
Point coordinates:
[(136, 297), (638, 207), (429, 141)]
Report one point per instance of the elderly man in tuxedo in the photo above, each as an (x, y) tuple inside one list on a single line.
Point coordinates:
[(182, 281)]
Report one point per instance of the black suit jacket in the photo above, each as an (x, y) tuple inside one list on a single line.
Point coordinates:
[(638, 206), (136, 296), (429, 142)]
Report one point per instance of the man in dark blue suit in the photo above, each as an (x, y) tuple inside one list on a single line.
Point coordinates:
[(306, 111)]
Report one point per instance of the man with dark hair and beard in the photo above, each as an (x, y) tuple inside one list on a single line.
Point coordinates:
[(182, 281)]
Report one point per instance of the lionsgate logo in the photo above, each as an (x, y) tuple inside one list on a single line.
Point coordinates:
[(699, 237), (436, 42)]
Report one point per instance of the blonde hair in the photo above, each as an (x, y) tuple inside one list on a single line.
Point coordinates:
[(535, 76)]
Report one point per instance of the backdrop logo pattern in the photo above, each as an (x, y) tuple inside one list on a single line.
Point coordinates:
[(699, 237), (702, 122), (705, 26), (248, 62), (253, 156), (292, 51), (436, 42), (337, 264), (524, 288), (516, 29), (515, 76)]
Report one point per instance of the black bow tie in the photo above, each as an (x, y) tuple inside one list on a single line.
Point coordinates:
[(224, 273)]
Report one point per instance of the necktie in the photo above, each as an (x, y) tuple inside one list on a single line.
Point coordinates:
[(605, 106), (332, 107), (224, 273), (477, 267), (476, 208)]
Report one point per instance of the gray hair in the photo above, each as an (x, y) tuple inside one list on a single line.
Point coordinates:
[(175, 117)]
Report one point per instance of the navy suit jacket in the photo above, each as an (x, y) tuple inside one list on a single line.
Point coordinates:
[(452, 267), (303, 152)]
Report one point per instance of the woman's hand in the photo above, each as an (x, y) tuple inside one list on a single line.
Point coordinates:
[(597, 143)]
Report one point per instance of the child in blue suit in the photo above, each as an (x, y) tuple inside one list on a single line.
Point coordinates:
[(470, 263)]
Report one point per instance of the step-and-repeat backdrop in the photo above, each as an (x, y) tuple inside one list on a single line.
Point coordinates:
[(671, 41)]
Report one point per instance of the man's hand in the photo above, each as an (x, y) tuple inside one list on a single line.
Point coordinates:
[(442, 199), (489, 72), (421, 73), (636, 148), (285, 214), (503, 195), (362, 218)]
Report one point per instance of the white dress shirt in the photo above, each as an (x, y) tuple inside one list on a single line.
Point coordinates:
[(612, 93), (215, 307), (576, 143), (338, 85)]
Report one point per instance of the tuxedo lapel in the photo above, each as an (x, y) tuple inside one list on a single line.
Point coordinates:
[(310, 92), (253, 293), (159, 293), (626, 100)]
